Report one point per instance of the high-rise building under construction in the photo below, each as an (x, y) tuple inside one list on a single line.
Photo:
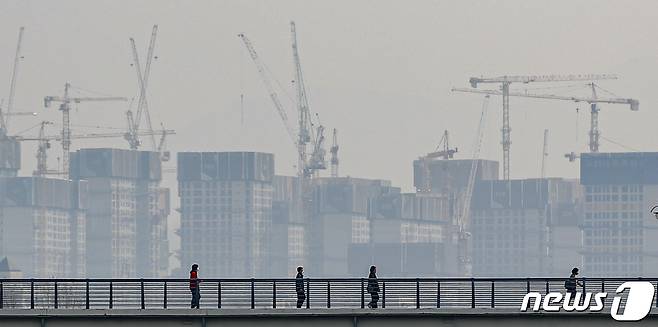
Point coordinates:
[(42, 226), (226, 212), (620, 237), (126, 230)]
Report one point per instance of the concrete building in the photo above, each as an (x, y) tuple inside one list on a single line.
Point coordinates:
[(127, 212), (289, 247), (226, 212), (530, 231), (450, 176), (7, 271), (620, 236), (42, 226), (358, 222), (10, 155), (340, 218), (410, 235)]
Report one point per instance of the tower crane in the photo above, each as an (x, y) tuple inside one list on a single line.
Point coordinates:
[(44, 144), (443, 151), (505, 82), (464, 214), (307, 132), (42, 148), (303, 112), (4, 117), (65, 108), (334, 155), (142, 104), (594, 100), (268, 85)]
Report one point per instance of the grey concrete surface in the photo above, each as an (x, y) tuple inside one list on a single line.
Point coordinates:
[(316, 317)]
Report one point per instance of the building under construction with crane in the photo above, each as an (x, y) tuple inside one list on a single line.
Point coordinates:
[(104, 212), (100, 212)]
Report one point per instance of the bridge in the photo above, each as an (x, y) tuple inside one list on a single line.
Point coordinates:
[(272, 302)]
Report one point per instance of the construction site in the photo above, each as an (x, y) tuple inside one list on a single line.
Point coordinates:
[(107, 212)]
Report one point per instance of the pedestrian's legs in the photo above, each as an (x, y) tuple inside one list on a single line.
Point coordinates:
[(196, 297), (374, 297), (300, 299)]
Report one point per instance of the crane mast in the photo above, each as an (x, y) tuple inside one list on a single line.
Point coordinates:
[(42, 148), (304, 136), (594, 133), (268, 86), (334, 155), (463, 236), (65, 108), (4, 118), (142, 104)]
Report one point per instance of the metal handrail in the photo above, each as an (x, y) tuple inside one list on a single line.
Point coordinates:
[(276, 293)]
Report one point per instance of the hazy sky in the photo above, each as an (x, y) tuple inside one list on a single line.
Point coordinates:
[(379, 71)]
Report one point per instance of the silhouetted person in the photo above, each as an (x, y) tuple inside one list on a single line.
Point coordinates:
[(572, 283), (373, 288), (299, 287), (194, 286)]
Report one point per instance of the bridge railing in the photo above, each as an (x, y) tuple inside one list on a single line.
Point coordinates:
[(280, 293)]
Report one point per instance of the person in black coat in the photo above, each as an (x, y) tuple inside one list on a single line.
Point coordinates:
[(299, 287), (373, 288)]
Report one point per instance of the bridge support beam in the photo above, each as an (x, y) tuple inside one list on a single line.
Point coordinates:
[(304, 317)]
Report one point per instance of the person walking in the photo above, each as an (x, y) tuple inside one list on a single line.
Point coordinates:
[(373, 288), (194, 286), (299, 287), (572, 283)]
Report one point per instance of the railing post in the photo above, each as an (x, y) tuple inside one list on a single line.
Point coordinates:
[(655, 301), (111, 295), (584, 285), (56, 304), (417, 293), (493, 294), (2, 296), (308, 293), (253, 295), (141, 286), (547, 287), (472, 293), (438, 294), (328, 295), (87, 294), (31, 294), (219, 295), (273, 294), (363, 296), (164, 303), (602, 285), (527, 285), (384, 295)]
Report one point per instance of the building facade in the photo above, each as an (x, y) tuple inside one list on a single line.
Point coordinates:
[(42, 223), (126, 213), (525, 227), (226, 212), (620, 236), (289, 244)]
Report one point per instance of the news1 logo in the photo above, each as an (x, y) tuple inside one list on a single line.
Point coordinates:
[(638, 301)]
